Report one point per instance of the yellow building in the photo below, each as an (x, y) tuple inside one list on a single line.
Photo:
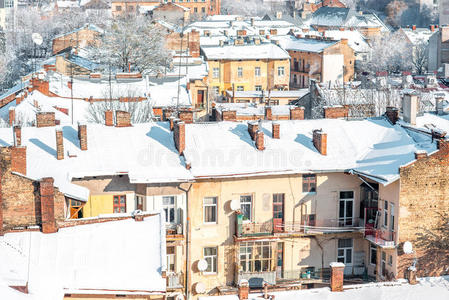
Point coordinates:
[(247, 67)]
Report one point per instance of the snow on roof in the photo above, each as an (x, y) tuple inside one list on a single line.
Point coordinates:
[(355, 39), (329, 16), (427, 288), (251, 109), (192, 67), (164, 91), (146, 8), (83, 259), (310, 45), (226, 149), (275, 94), (418, 36), (430, 121), (85, 26), (224, 17), (246, 51), (146, 152)]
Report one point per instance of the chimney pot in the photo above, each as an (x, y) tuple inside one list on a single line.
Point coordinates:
[(17, 135), (260, 140), (47, 195), (59, 144), (410, 108), (320, 141), (123, 118), (171, 121), (392, 113), (179, 135), (82, 136), (12, 116), (276, 130), (109, 118), (337, 272)]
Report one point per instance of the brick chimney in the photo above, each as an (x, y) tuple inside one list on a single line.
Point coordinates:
[(320, 141), (45, 119), (243, 289), (336, 112), (171, 121), (109, 118), (275, 130), (432, 28), (420, 154), (229, 115), (414, 27), (186, 116), (296, 113), (253, 127), (268, 113), (47, 195), (123, 118), (12, 116), (19, 160), (17, 135), (410, 108), (82, 136), (260, 140), (392, 114), (179, 135), (337, 271), (59, 144)]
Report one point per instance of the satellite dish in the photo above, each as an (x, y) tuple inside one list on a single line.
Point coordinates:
[(235, 204), (202, 265), (408, 248), (200, 288), (179, 297), (37, 38)]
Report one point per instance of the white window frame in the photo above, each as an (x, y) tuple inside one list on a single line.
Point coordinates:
[(213, 260), (210, 205), (246, 203), (385, 219), (344, 255), (239, 72), (345, 217), (258, 88), (169, 207), (171, 258), (281, 71), (392, 220), (257, 72), (371, 248), (215, 73), (240, 88)]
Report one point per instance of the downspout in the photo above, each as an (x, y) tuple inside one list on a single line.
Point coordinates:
[(187, 276)]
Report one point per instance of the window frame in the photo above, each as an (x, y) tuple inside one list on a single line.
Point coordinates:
[(170, 206), (281, 71), (249, 260), (213, 258), (345, 252), (250, 204), (215, 73), (239, 72), (171, 258), (309, 183), (119, 205), (372, 250), (210, 205), (257, 71)]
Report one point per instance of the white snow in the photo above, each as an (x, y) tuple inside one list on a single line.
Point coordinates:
[(303, 44), (146, 152), (275, 94), (116, 255), (428, 288), (246, 51)]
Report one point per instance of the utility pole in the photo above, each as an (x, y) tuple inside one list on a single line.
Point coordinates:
[(179, 67)]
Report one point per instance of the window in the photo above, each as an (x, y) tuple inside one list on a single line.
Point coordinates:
[(391, 217), (344, 251), (240, 72), (255, 256), (246, 203), (240, 88), (281, 71), (171, 259), (195, 9), (385, 213), (210, 255), (118, 8), (216, 90), (295, 65), (373, 254), (139, 202), (258, 88), (203, 10), (215, 72), (210, 209), (257, 71), (390, 260), (309, 183), (383, 266), (346, 206), (168, 203), (119, 204)]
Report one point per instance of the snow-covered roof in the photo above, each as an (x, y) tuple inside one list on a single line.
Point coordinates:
[(145, 151), (427, 288), (303, 44), (275, 94), (226, 149), (329, 16), (85, 26), (252, 109), (246, 51), (355, 39), (163, 91), (119, 256), (418, 35)]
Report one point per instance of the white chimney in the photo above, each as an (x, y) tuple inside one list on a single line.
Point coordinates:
[(410, 107)]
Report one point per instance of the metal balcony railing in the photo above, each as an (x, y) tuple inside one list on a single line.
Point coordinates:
[(174, 229), (321, 226), (304, 274), (382, 237), (244, 228), (175, 280), (257, 279)]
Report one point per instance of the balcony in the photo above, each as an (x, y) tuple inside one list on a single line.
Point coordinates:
[(382, 237), (249, 229), (257, 279), (321, 226), (174, 229), (175, 280), (304, 275)]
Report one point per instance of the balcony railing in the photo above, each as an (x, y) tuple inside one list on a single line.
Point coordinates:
[(174, 229), (244, 228), (382, 237), (304, 274), (257, 279), (321, 226), (175, 280)]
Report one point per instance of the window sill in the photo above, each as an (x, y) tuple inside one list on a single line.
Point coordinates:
[(309, 193), (210, 274), (210, 223)]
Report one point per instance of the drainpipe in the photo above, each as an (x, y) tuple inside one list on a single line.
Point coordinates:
[(187, 241)]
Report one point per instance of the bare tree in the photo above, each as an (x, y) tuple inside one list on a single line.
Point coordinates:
[(419, 57)]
